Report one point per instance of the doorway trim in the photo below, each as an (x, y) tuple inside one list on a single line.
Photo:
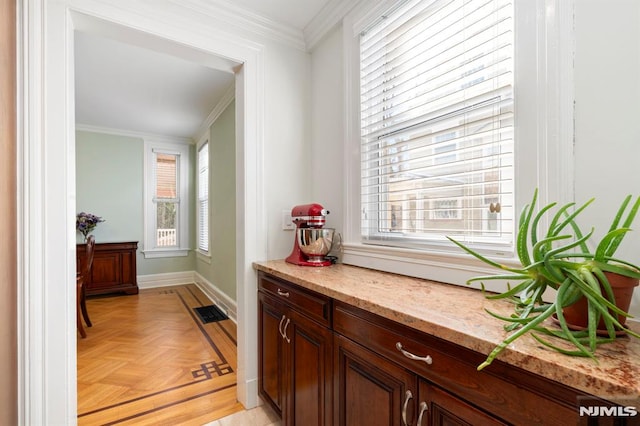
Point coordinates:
[(47, 199)]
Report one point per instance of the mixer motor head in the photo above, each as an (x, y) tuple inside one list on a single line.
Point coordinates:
[(309, 215)]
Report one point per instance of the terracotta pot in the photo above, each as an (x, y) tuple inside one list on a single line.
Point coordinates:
[(576, 315)]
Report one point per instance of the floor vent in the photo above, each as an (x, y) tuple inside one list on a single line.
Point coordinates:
[(210, 313)]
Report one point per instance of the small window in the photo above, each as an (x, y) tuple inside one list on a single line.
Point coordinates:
[(166, 199), (203, 198)]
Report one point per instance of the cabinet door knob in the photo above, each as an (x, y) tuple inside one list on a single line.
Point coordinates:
[(284, 331), (423, 409), (283, 293), (409, 355), (407, 397)]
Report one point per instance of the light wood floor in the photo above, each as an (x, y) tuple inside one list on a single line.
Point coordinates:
[(148, 360)]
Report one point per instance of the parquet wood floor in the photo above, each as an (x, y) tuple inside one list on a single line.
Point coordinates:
[(148, 360)]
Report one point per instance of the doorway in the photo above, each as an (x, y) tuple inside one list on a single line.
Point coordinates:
[(47, 189)]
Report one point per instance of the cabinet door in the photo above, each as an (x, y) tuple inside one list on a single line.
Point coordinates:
[(113, 269), (106, 271), (309, 371), (370, 390), (271, 317), (440, 408)]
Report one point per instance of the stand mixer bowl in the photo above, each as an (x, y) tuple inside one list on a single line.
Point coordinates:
[(315, 243)]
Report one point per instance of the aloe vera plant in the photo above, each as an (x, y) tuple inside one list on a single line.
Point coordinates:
[(560, 259)]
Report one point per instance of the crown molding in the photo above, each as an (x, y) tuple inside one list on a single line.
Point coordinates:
[(326, 20), (246, 20), (132, 134), (220, 107)]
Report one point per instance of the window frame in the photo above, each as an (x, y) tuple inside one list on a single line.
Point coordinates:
[(182, 151), (545, 33), (396, 123), (203, 255)]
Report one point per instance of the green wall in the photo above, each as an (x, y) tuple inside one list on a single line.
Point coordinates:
[(109, 183), (221, 272)]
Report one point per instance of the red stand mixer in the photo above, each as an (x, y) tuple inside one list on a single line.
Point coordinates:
[(312, 242)]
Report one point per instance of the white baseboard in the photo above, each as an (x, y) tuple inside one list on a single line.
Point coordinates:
[(164, 280), (224, 302)]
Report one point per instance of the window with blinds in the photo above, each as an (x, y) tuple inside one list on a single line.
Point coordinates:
[(203, 197), (437, 149), (166, 199)]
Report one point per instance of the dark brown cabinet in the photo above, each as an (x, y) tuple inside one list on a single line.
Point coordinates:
[(323, 361), (113, 270), (370, 390), (271, 343), (295, 360), (437, 407), (447, 388)]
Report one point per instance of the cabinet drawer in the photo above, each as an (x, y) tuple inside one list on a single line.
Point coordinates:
[(514, 395), (313, 305), (382, 336)]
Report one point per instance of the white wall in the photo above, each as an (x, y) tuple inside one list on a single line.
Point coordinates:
[(287, 156), (607, 121), (327, 134)]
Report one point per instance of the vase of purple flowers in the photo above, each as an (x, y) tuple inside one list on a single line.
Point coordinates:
[(86, 222)]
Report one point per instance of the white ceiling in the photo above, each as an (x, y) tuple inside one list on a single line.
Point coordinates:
[(122, 86), (126, 87)]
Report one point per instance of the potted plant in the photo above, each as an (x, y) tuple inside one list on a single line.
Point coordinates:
[(560, 259)]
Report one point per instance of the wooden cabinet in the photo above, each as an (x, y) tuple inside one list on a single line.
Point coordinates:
[(271, 316), (295, 359), (438, 407), (370, 390), (323, 362), (449, 388), (113, 269)]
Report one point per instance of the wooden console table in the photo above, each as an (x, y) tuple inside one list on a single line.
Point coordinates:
[(113, 270)]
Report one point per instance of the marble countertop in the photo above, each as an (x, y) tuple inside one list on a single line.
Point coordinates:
[(457, 314)]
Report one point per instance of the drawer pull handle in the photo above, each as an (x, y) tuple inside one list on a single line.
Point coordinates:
[(280, 326), (409, 355), (423, 409), (407, 397), (284, 331), (283, 293)]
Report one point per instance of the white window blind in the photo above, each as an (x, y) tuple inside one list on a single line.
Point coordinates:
[(203, 197), (166, 199), (437, 149)]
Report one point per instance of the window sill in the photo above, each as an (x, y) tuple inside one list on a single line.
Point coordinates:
[(450, 268), (203, 256), (158, 253)]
